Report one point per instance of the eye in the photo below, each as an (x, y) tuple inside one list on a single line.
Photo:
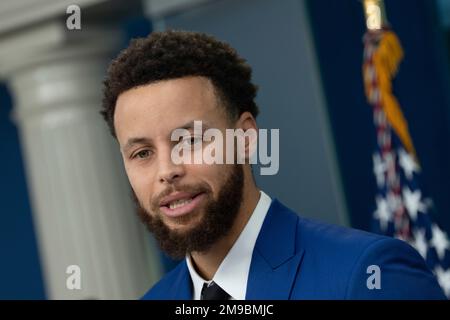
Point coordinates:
[(143, 154)]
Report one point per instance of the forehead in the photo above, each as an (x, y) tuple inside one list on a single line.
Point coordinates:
[(158, 108)]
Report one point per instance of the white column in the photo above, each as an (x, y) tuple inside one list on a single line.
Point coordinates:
[(80, 197)]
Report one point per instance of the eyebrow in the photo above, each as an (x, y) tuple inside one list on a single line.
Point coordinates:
[(190, 125), (142, 140), (134, 141)]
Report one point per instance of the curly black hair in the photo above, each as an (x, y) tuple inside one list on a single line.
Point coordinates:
[(174, 54)]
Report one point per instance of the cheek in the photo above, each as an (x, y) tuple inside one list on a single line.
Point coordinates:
[(214, 175), (141, 183)]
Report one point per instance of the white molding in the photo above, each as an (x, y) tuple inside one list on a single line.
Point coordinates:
[(82, 209), (16, 14), (51, 41)]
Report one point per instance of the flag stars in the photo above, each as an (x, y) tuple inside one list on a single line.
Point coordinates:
[(408, 163), (439, 241), (420, 243), (394, 202), (443, 277), (383, 213), (413, 202), (379, 169)]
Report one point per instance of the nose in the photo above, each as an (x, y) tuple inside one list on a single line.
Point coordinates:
[(169, 172)]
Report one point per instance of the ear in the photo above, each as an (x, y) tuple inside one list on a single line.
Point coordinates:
[(247, 123)]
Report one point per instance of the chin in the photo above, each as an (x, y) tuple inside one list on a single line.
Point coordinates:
[(182, 224)]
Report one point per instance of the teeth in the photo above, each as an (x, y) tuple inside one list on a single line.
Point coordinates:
[(179, 203)]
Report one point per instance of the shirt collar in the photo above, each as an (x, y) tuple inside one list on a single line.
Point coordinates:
[(197, 280), (232, 274)]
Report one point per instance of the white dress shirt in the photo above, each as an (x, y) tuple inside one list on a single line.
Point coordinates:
[(232, 274)]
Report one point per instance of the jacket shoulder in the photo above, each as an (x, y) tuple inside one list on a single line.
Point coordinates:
[(161, 289), (392, 269), (325, 239), (338, 264)]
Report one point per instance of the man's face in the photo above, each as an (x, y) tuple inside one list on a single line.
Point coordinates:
[(187, 206)]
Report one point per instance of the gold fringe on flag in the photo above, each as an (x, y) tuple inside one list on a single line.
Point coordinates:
[(378, 75)]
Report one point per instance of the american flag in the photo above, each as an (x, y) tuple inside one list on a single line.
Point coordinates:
[(403, 210)]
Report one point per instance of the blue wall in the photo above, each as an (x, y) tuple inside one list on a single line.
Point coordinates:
[(20, 271)]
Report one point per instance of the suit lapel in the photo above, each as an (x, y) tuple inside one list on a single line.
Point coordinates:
[(181, 288), (275, 260)]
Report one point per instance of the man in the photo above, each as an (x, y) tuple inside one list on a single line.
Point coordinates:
[(237, 242)]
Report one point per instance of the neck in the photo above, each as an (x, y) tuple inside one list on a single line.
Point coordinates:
[(206, 263)]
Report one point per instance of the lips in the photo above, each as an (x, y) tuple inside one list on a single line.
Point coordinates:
[(176, 196), (180, 203)]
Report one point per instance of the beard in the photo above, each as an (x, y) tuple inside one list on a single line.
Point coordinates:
[(215, 221)]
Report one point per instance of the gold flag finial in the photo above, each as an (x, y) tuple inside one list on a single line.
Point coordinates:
[(375, 14)]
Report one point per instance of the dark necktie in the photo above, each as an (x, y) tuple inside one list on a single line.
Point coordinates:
[(213, 292)]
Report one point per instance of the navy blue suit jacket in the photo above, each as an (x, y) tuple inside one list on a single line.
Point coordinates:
[(296, 258)]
